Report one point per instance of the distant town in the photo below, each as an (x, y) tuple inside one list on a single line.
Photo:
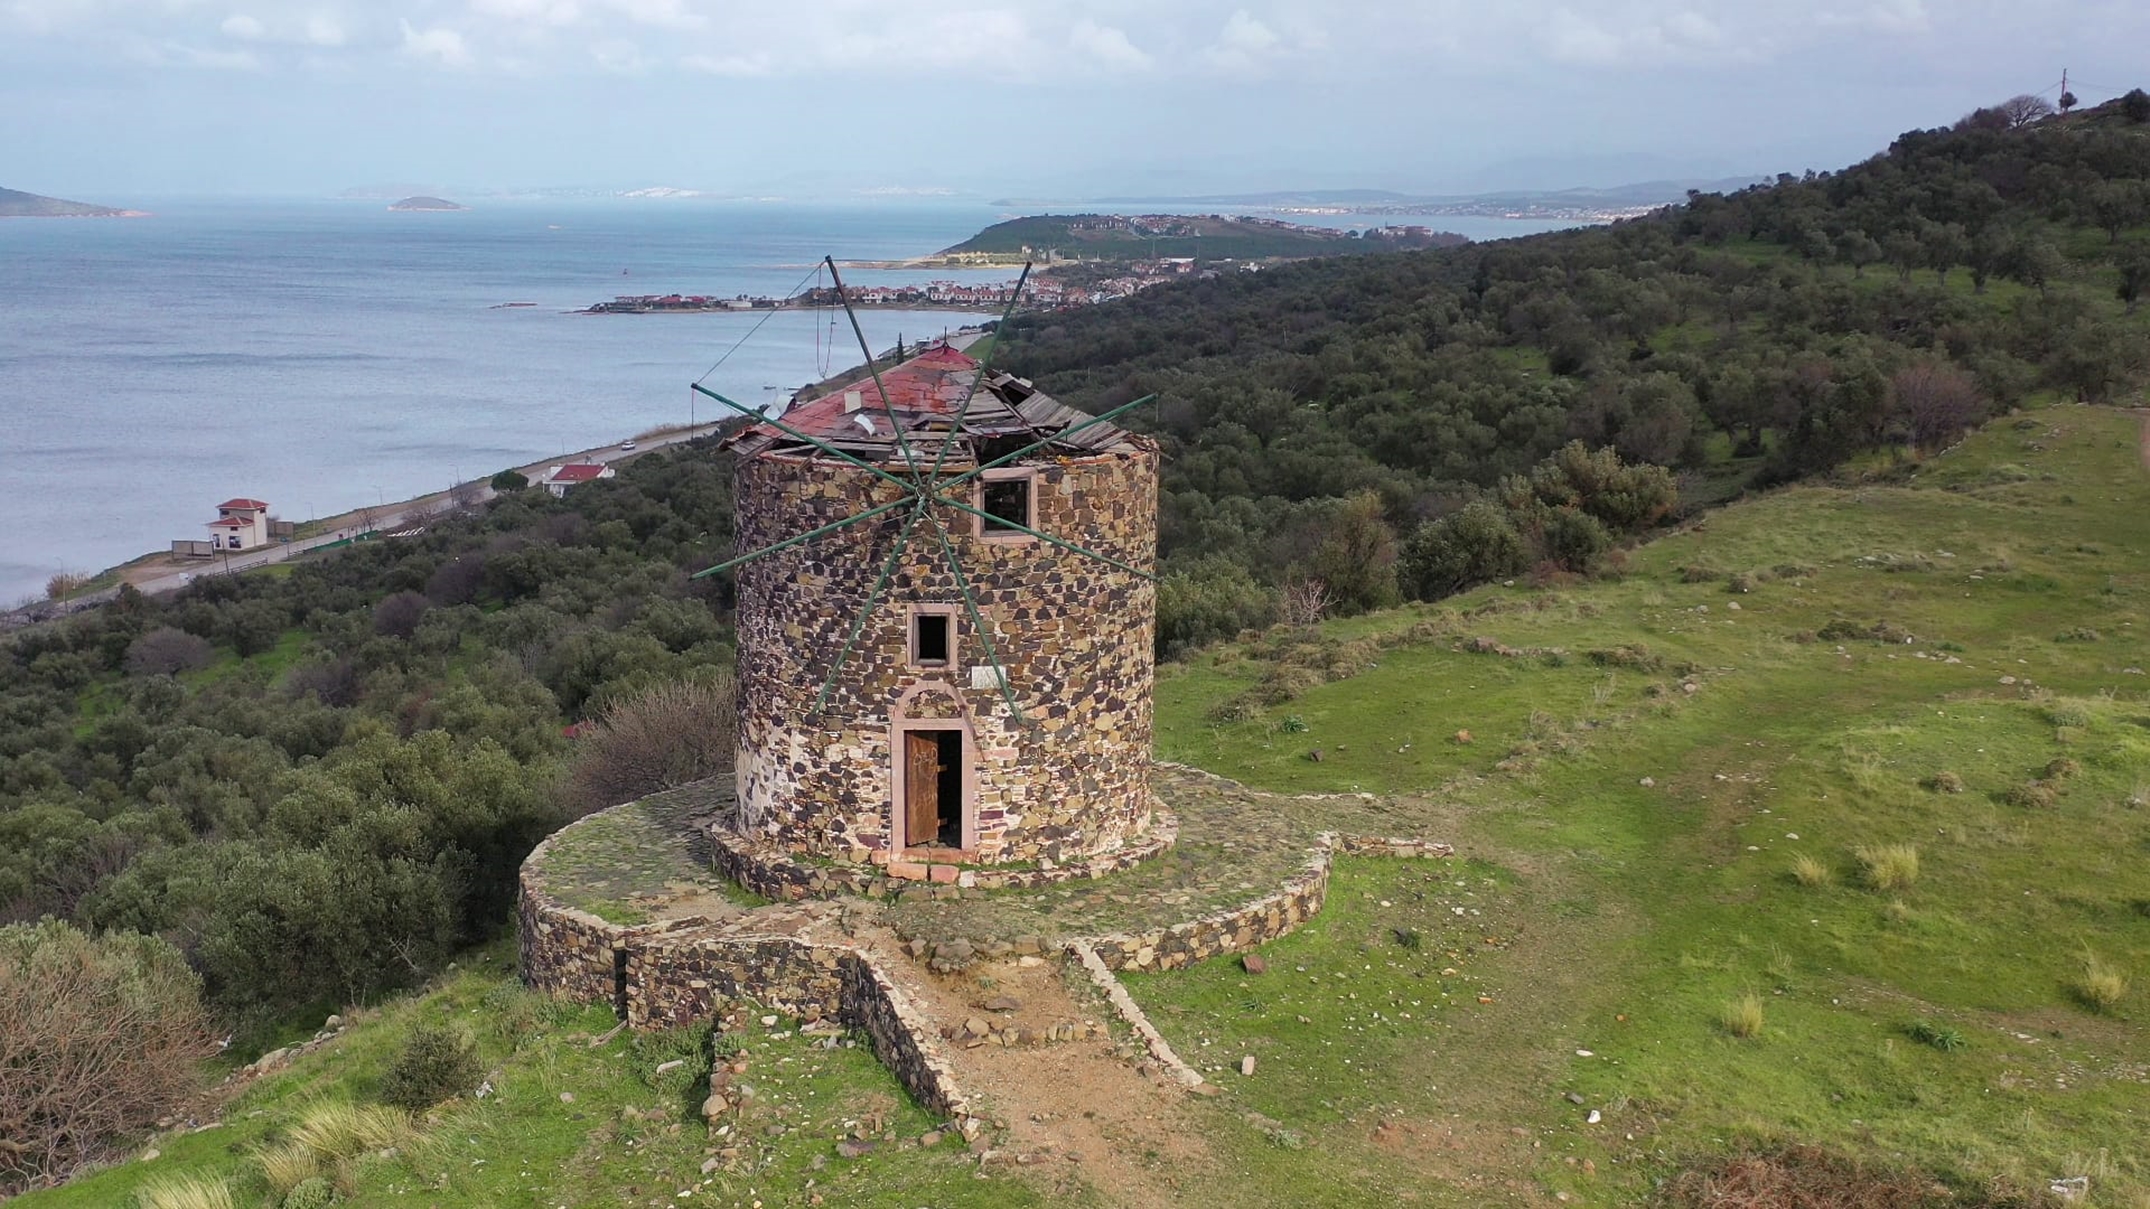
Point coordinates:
[(1043, 292)]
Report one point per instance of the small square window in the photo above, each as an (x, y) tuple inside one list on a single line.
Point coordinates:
[(1006, 500), (929, 639)]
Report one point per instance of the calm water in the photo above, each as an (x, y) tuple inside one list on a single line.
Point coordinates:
[(320, 355)]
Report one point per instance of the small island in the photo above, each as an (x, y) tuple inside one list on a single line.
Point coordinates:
[(426, 204), (16, 204)]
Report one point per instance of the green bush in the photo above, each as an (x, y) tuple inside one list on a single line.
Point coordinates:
[(1576, 540), (1208, 601), (510, 480), (436, 1062), (1477, 544), (313, 1192)]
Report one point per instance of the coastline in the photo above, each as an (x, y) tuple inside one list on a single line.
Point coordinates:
[(162, 571)]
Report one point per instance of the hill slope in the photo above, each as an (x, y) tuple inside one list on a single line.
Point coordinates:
[(1897, 661), (16, 204)]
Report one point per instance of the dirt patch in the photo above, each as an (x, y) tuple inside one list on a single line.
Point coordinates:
[(1804, 1177), (1068, 1115)]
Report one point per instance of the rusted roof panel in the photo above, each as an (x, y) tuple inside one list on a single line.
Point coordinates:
[(925, 394)]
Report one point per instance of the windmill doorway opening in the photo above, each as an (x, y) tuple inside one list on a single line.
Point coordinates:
[(933, 789)]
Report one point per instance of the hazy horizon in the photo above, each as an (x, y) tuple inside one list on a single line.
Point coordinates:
[(109, 100)]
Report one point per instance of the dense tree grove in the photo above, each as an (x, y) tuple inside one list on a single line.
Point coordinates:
[(320, 785), (1735, 340), (316, 786)]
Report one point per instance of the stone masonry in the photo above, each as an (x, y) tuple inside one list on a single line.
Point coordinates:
[(1074, 635)]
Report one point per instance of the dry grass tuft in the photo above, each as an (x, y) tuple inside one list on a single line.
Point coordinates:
[(1803, 1177), (1808, 871), (287, 1166), (1742, 1017), (1888, 866), (2101, 986), (185, 1192), (336, 1131)]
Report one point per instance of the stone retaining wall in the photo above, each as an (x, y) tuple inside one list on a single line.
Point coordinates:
[(1132, 1015), (668, 975), (771, 871), (1265, 919)]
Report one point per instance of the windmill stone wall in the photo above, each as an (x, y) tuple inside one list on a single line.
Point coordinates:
[(1075, 636)]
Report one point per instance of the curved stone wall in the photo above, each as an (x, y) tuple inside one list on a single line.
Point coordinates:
[(1075, 636)]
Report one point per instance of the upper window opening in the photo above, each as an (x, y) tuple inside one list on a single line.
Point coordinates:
[(1006, 503), (929, 639)]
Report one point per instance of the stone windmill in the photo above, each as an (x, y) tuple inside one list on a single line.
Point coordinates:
[(946, 618)]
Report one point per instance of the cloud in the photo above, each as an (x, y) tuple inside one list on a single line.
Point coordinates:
[(736, 66), (619, 56), (440, 44), (245, 28), (536, 12), (1108, 46), (324, 30)]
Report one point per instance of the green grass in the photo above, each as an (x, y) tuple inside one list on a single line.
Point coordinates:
[(1628, 873), (524, 1146), (1635, 912)]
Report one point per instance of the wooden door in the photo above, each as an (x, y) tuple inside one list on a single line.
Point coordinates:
[(921, 787)]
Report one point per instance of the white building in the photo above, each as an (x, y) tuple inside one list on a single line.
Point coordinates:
[(240, 524), (558, 479)]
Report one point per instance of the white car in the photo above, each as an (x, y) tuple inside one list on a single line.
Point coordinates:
[(627, 446)]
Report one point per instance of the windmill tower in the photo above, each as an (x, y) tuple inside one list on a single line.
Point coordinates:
[(946, 622)]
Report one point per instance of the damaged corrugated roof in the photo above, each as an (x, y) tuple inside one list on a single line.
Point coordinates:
[(925, 394)]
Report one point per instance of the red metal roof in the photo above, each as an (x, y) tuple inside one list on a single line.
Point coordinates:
[(932, 383), (578, 472), (231, 522), (245, 504)]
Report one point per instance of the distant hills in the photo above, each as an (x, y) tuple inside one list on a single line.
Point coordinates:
[(16, 204), (1211, 237), (426, 203), (1557, 203)]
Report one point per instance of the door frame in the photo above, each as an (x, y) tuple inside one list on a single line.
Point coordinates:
[(899, 731)]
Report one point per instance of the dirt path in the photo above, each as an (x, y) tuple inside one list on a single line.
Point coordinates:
[(2144, 444), (1077, 1112)]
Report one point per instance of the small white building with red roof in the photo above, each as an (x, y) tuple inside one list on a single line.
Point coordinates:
[(240, 524), (558, 479)]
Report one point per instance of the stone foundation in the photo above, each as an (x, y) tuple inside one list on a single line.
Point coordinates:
[(675, 973), (775, 872), (1255, 923)]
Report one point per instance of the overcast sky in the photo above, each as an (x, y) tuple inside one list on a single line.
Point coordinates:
[(108, 100)]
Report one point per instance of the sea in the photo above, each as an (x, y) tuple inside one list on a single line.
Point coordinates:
[(324, 355)]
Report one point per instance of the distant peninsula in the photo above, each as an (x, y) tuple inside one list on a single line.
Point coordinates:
[(17, 204), (1209, 237), (426, 203)]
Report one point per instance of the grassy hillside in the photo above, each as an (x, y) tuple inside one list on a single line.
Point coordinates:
[(1944, 657)]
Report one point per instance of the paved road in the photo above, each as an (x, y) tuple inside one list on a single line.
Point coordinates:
[(396, 516)]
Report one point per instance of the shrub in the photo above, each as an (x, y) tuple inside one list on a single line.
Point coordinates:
[(510, 480), (2078, 634), (664, 736), (2100, 986), (1575, 540), (2068, 713), (397, 616), (1209, 601), (99, 1037), (1477, 544), (165, 651), (336, 1131), (65, 584), (1742, 1017), (436, 1062), (1945, 782), (1888, 866), (1941, 1037), (2135, 104), (314, 1192), (1808, 871), (2031, 795), (687, 1046), (1357, 556), (2060, 768), (1739, 583)]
